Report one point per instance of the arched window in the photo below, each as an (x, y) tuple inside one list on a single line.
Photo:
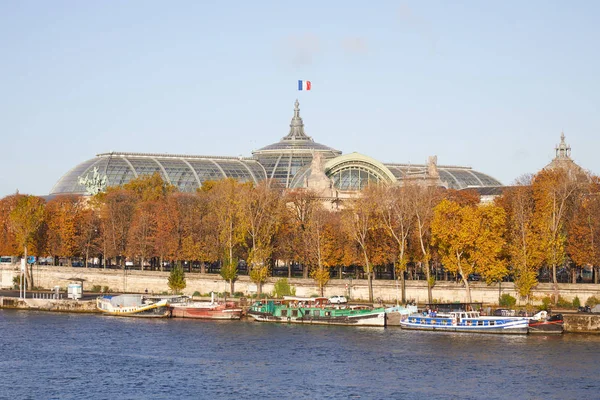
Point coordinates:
[(353, 178)]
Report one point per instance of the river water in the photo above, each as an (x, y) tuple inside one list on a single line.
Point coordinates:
[(82, 356)]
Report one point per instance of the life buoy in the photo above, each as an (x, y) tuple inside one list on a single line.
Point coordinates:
[(289, 319)]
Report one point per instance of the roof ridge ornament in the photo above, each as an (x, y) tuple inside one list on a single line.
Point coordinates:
[(563, 150), (297, 126)]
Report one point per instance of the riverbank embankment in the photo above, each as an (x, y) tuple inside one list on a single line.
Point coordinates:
[(128, 281), (574, 322)]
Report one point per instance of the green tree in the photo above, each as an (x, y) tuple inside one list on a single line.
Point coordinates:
[(177, 279), (283, 288), (229, 272)]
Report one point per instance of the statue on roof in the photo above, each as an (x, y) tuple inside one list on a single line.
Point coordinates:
[(432, 170), (93, 182)]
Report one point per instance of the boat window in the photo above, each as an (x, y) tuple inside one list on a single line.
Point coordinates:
[(306, 312), (479, 322), (327, 313), (316, 313), (284, 313), (492, 323), (294, 313)]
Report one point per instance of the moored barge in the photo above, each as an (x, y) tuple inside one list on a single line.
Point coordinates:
[(132, 305), (315, 310)]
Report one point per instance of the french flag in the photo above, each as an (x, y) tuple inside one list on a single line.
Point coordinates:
[(304, 85)]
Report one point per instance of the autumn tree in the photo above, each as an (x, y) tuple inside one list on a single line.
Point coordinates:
[(196, 235), (88, 228), (359, 221), (470, 239), (301, 205), (140, 242), (524, 242), (583, 240), (320, 245), (8, 244), (397, 218), (227, 221), (422, 201), (261, 208), (553, 192), (25, 219), (116, 208), (63, 217), (149, 188), (487, 249)]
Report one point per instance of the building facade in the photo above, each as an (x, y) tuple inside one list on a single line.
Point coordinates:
[(296, 161)]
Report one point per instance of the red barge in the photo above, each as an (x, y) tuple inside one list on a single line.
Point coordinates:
[(185, 308)]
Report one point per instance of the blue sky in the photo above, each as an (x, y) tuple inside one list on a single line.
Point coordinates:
[(485, 84)]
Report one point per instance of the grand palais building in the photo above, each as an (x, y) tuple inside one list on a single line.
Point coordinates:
[(296, 161)]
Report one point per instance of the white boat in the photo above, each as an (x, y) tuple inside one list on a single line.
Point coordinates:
[(454, 318), (133, 305)]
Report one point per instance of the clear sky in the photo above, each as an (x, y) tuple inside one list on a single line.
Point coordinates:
[(479, 83)]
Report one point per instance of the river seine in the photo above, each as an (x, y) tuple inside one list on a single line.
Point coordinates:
[(72, 356)]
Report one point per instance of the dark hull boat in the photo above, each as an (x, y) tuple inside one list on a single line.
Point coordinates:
[(542, 323)]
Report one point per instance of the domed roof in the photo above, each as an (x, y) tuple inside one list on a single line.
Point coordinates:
[(184, 171), (296, 140)]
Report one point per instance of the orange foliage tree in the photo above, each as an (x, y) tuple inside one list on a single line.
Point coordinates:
[(24, 220), (261, 209), (64, 221), (359, 220), (583, 240)]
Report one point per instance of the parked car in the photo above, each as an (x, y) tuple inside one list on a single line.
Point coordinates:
[(338, 299)]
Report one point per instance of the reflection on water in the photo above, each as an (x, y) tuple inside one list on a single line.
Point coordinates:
[(66, 356)]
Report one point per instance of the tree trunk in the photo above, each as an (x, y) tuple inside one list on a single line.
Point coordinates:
[(555, 281), (427, 276), (231, 285), (402, 286), (369, 280), (289, 265), (305, 271), (466, 282)]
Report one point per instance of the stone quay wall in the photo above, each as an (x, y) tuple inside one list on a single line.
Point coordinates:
[(156, 282)]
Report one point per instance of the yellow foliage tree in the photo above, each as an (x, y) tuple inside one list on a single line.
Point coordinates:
[(524, 242), (470, 240)]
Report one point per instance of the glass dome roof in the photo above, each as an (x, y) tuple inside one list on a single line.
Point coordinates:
[(185, 172), (288, 162)]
